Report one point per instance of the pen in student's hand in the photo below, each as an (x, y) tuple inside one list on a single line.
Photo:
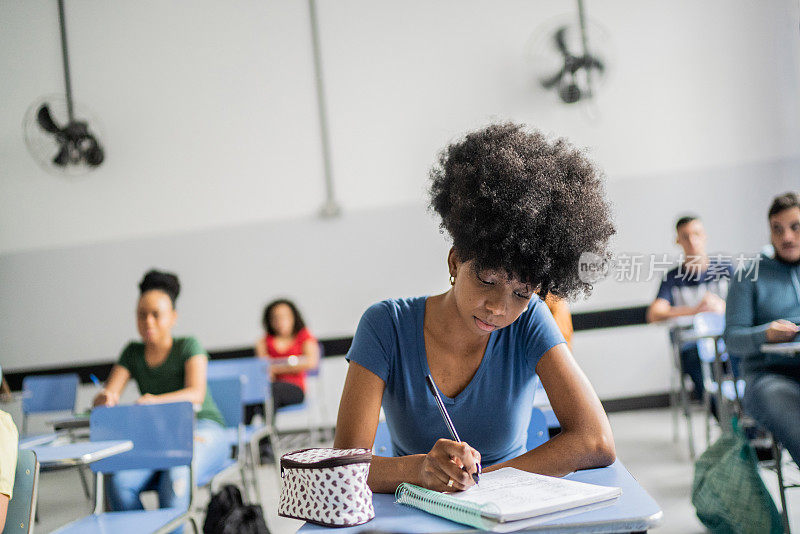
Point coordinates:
[(448, 421), (96, 381)]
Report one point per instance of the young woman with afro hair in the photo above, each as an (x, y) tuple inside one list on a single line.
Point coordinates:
[(520, 209)]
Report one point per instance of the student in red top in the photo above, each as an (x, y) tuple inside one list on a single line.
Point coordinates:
[(291, 349)]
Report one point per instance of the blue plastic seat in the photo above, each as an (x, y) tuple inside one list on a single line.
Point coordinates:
[(48, 393), (227, 394), (382, 446), (538, 432), (256, 389), (44, 394), (313, 401), (22, 506), (163, 437), (709, 328)]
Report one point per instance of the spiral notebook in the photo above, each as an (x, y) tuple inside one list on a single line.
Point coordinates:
[(510, 499)]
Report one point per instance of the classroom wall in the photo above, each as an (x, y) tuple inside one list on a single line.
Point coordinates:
[(214, 164)]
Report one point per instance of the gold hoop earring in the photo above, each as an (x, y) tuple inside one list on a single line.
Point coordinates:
[(452, 280)]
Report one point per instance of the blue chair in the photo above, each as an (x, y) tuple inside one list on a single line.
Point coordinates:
[(382, 446), (163, 437), (541, 402), (256, 389), (48, 393), (227, 394), (22, 506), (313, 376), (316, 397), (717, 380), (538, 429)]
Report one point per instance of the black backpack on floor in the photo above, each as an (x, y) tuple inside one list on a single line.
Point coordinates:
[(227, 514)]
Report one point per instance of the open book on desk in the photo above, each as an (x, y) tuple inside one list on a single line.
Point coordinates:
[(509, 499)]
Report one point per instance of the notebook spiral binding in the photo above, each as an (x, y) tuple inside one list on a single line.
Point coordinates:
[(444, 505)]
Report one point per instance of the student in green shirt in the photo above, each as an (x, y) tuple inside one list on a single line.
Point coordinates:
[(166, 369)]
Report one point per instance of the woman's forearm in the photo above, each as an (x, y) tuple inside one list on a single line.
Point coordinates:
[(565, 453), (385, 474), (304, 363)]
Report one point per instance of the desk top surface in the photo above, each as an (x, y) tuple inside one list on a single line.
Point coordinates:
[(81, 453), (782, 348), (634, 511)]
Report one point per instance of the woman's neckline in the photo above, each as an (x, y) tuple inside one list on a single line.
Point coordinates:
[(162, 362), (423, 355)]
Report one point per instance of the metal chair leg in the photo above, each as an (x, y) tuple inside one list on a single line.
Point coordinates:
[(84, 483), (674, 408), (707, 410), (254, 458), (777, 453), (684, 396)]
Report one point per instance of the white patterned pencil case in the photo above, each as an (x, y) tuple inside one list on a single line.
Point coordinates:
[(327, 486)]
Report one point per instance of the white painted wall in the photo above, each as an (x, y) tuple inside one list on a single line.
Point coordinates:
[(209, 115), (214, 164), (207, 110)]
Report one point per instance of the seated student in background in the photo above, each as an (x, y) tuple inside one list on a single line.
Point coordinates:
[(764, 307), (291, 349), (520, 210), (166, 369), (699, 284), (8, 463)]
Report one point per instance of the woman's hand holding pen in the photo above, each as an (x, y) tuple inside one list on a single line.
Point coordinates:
[(449, 466), (105, 398)]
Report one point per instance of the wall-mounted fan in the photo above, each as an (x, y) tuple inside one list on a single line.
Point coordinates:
[(567, 82), (570, 57), (56, 138)]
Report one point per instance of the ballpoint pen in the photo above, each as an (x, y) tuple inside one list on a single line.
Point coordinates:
[(96, 381), (448, 421)]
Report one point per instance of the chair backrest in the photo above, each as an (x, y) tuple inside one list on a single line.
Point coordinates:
[(537, 429), (49, 393), (162, 435), (22, 506), (255, 387), (712, 325), (709, 324), (315, 370), (382, 446), (227, 394)]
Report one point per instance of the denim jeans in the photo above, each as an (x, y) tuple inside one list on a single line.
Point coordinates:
[(210, 452), (772, 397)]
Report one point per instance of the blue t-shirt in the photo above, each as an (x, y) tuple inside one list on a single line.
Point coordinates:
[(491, 414)]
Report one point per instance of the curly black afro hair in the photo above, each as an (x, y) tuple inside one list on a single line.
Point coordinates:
[(514, 201), (166, 282)]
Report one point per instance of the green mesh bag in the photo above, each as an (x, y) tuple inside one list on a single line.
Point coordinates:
[(728, 493)]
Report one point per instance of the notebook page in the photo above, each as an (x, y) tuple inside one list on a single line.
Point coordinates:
[(519, 494)]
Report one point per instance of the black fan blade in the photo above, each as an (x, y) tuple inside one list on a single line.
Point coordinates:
[(594, 63), (93, 154), (561, 40), (554, 80), (63, 156), (46, 121)]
